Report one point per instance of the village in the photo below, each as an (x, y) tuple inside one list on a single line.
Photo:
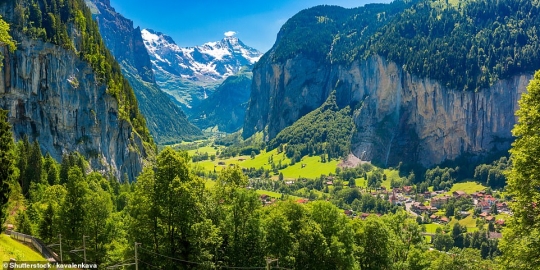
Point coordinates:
[(436, 208)]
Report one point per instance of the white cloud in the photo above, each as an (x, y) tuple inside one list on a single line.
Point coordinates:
[(229, 33)]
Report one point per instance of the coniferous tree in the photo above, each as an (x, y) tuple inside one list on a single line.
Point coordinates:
[(7, 163), (46, 226)]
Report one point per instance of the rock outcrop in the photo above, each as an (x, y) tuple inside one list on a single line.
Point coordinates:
[(398, 116), (54, 97)]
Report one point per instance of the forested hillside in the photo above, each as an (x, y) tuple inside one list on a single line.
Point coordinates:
[(324, 132), (226, 107), (473, 43)]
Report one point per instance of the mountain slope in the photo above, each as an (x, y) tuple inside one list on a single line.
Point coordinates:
[(68, 92), (326, 131), (226, 108), (166, 121), (190, 75), (407, 70)]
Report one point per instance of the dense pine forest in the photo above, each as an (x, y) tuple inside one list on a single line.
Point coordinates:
[(472, 48)]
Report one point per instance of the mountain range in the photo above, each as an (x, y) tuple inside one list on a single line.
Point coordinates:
[(166, 121), (192, 74)]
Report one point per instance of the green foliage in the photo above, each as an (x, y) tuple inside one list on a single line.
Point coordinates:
[(5, 39), (520, 245), (171, 213), (468, 46), (7, 163), (443, 242), (493, 174), (324, 131), (339, 34), (59, 22), (441, 178)]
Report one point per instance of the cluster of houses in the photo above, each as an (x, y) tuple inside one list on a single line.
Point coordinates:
[(482, 201)]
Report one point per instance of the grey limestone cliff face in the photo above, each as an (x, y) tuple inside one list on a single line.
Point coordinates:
[(398, 116), (52, 96)]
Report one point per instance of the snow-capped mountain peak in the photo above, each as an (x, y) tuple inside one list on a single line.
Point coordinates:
[(211, 62)]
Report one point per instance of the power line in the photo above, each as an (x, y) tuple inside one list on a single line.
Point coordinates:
[(197, 263), (151, 265), (171, 258)]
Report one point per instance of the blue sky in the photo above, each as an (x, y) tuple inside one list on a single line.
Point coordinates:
[(194, 22)]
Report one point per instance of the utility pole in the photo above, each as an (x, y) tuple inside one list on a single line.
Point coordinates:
[(136, 259), (269, 261), (84, 247), (61, 259)]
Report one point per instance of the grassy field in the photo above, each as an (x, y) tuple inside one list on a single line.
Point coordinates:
[(207, 149), (432, 227), (261, 160), (313, 168), (469, 187), (10, 248)]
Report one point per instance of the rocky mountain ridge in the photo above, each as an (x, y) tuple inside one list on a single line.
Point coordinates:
[(191, 74)]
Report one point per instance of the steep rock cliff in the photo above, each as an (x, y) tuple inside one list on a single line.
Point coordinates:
[(52, 96), (398, 116)]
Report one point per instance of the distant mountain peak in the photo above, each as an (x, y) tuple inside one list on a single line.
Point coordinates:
[(211, 62)]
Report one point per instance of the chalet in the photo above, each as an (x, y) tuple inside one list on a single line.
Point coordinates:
[(502, 206), (444, 220), (302, 201), (329, 183), (490, 200), (439, 201), (348, 212), (459, 194), (427, 194), (483, 205), (407, 189), (479, 195), (264, 197), (500, 222), (269, 202), (419, 207), (364, 215), (464, 213), (433, 209), (434, 217), (490, 218), (484, 214)]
